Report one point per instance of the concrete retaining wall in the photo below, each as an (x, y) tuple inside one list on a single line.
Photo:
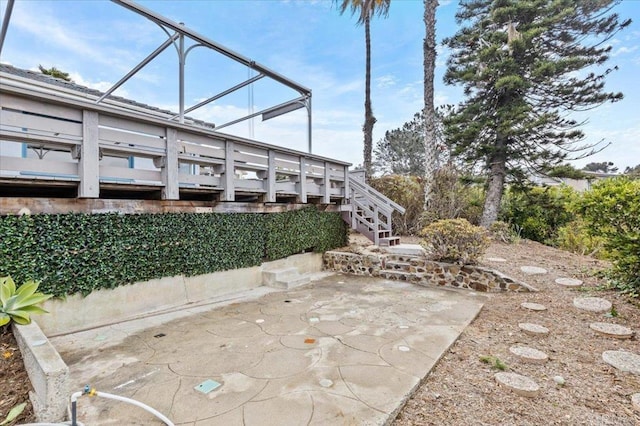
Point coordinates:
[(108, 306), (48, 373), (420, 270)]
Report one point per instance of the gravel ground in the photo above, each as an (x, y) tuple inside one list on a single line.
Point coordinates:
[(461, 390)]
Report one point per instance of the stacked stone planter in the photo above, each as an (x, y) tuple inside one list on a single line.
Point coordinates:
[(421, 271)]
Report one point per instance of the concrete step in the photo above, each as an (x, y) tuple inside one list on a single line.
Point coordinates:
[(389, 241), (394, 265), (406, 250), (396, 275), (285, 278)]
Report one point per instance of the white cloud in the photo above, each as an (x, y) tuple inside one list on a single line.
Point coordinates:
[(624, 50), (441, 98), (102, 86), (624, 150), (442, 54), (385, 81), (44, 25)]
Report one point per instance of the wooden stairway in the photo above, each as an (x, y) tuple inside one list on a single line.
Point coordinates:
[(369, 212)]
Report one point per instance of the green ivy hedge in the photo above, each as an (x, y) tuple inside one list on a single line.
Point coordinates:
[(302, 230), (79, 253)]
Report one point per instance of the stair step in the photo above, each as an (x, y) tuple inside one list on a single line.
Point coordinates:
[(397, 275), (394, 265), (285, 278), (389, 241)]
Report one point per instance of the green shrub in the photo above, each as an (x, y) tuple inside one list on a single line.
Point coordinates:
[(455, 241), (408, 191), (538, 211), (611, 210), (79, 253), (575, 237), (503, 231), (451, 198)]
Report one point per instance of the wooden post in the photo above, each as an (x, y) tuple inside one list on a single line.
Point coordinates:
[(228, 175), (327, 183), (171, 190), (271, 177), (302, 186), (376, 226), (88, 164), (347, 195)]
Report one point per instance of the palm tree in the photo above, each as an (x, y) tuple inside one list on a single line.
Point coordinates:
[(430, 139), (365, 9)]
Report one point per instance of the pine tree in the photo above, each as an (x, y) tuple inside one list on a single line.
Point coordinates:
[(401, 151), (524, 66)]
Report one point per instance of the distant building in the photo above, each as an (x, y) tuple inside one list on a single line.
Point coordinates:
[(577, 184)]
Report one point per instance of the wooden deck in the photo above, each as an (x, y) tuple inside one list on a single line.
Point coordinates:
[(56, 142)]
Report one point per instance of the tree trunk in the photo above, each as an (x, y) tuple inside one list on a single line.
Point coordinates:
[(369, 119), (430, 141), (495, 187)]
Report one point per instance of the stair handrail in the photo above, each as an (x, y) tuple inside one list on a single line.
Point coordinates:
[(374, 196)]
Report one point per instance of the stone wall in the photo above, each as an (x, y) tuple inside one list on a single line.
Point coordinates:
[(422, 271)]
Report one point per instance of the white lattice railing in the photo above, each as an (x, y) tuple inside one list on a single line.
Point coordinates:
[(370, 212), (49, 133)]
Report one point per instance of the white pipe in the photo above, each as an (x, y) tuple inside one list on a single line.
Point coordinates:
[(137, 404), (50, 424)]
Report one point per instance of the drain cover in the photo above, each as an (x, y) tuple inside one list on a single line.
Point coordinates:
[(207, 386)]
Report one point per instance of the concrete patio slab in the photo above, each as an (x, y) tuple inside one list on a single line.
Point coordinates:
[(326, 353)]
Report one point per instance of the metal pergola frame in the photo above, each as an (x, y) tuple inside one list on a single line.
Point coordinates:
[(177, 34)]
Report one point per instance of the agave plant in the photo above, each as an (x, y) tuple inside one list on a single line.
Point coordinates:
[(19, 304)]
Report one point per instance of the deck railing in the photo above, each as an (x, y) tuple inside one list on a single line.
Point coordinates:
[(50, 134)]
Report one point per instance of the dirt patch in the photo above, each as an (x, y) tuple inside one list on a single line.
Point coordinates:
[(14, 381), (462, 389)]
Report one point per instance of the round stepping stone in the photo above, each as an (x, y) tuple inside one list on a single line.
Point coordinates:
[(593, 304), (522, 385), (569, 282), (533, 329), (533, 270), (530, 355), (496, 259), (635, 401), (612, 330), (533, 306), (625, 361)]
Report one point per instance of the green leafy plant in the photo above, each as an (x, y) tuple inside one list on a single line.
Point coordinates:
[(613, 312), (494, 362), (454, 240), (575, 237), (14, 413), (611, 210), (18, 304), (539, 211)]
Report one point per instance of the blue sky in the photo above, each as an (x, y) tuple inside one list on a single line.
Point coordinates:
[(308, 41)]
